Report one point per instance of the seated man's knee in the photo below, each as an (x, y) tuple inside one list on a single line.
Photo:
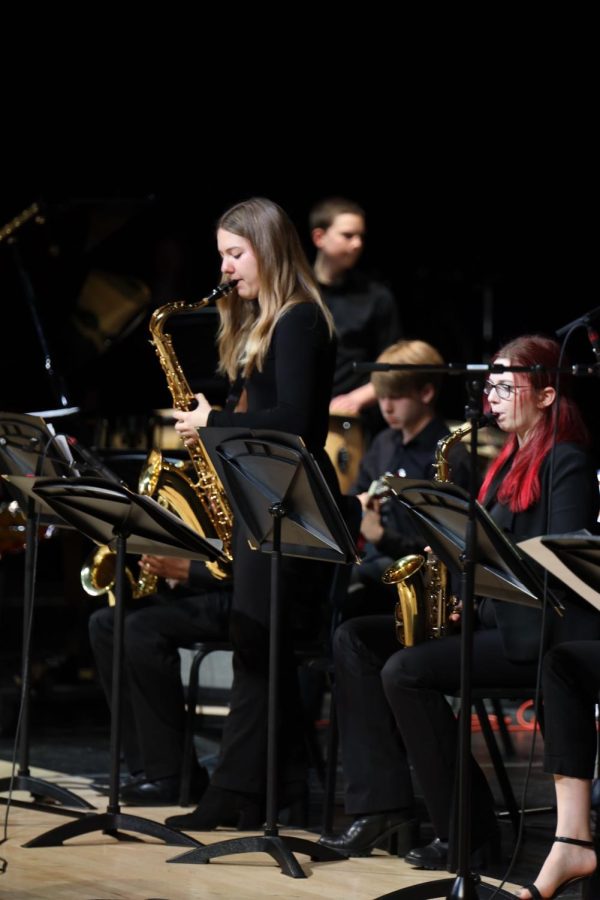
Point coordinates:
[(404, 670)]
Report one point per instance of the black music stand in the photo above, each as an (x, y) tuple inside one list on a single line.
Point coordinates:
[(29, 448), (112, 514), (279, 493), (469, 542), (573, 558)]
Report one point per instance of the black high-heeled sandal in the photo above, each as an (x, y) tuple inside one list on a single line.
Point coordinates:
[(584, 880)]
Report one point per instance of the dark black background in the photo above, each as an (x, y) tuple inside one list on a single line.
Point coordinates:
[(477, 249)]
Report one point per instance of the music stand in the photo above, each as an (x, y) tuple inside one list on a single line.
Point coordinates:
[(468, 541), (278, 492), (112, 514), (574, 558), (28, 448)]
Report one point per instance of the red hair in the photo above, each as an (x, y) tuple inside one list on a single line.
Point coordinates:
[(521, 488)]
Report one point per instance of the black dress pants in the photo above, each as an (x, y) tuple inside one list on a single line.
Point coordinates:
[(376, 771), (415, 681), (153, 717), (570, 684), (304, 589)]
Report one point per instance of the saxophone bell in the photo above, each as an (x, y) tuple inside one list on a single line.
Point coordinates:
[(410, 627), (98, 576)]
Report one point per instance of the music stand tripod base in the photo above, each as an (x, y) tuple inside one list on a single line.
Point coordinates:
[(112, 823), (281, 848)]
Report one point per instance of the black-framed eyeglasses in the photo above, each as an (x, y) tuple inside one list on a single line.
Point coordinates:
[(503, 390)]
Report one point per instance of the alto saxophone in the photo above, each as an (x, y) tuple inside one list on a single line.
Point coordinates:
[(215, 518), (99, 573), (424, 604)]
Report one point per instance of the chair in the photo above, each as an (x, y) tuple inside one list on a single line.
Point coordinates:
[(200, 650), (495, 695)]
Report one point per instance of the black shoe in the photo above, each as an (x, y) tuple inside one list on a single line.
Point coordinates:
[(219, 807), (163, 791), (435, 855), (394, 830), (103, 784)]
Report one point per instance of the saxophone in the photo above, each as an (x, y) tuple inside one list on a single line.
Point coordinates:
[(200, 503), (424, 605), (214, 518), (99, 572)]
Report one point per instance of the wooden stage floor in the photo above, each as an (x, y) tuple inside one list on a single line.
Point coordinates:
[(98, 867)]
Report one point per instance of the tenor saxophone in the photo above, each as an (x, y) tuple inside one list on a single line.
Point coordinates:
[(425, 604), (215, 519)]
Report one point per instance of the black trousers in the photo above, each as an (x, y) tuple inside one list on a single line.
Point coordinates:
[(153, 717), (415, 682), (570, 684), (376, 771), (304, 590), (393, 709)]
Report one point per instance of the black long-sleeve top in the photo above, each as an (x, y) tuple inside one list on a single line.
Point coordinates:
[(573, 505), (389, 453), (293, 390)]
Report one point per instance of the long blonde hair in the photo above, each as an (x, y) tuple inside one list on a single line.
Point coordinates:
[(285, 278)]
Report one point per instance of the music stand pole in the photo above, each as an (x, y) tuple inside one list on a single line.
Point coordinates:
[(252, 491)]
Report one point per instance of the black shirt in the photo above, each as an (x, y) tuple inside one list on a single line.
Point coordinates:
[(292, 392), (366, 322), (389, 453)]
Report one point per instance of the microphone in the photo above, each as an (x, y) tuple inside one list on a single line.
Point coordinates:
[(584, 320)]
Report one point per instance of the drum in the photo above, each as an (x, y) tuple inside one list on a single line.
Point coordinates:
[(345, 447)]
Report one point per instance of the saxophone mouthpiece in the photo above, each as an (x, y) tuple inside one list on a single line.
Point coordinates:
[(224, 288), (486, 419)]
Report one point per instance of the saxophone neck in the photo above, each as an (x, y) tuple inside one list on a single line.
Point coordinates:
[(163, 313), (441, 465), (442, 469)]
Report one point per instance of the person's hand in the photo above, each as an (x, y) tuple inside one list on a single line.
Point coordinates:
[(352, 403), (186, 422), (344, 405), (364, 499), (370, 526), (171, 567), (456, 612)]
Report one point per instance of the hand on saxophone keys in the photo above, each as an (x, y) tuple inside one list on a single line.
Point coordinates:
[(169, 567), (370, 526), (187, 421)]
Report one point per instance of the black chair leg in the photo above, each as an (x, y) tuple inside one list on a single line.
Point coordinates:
[(188, 740), (503, 780), (507, 742)]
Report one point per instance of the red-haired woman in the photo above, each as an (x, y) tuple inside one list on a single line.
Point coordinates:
[(529, 490)]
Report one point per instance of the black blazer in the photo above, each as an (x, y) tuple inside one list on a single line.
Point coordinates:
[(574, 505)]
